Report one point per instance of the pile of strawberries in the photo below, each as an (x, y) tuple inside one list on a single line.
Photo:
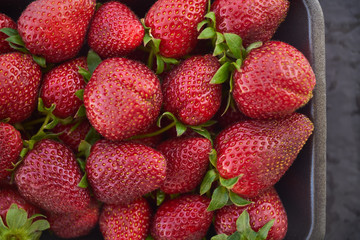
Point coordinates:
[(173, 126)]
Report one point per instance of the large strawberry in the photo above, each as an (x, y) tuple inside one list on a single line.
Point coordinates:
[(5, 22), (129, 221), (49, 176), (275, 80), (188, 93), (20, 79), (122, 172), (252, 20), (55, 29), (260, 151), (122, 99), (115, 30)]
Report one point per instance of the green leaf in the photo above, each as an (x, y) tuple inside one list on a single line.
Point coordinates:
[(234, 42), (237, 64), (207, 33), (40, 61), (264, 231), (237, 200), (2, 226), (147, 38), (211, 16), (83, 182), (201, 24), (235, 236), (253, 46), (92, 136), (208, 123), (208, 180), (9, 31), (243, 222), (84, 148), (170, 60), (52, 124), (180, 128), (81, 112), (213, 157), (219, 38), (160, 65), (228, 183), (160, 197), (41, 106), (16, 39), (82, 163), (39, 225), (149, 238), (222, 236), (219, 198), (16, 217), (80, 94), (93, 60), (156, 43), (203, 132), (219, 49), (222, 74), (85, 73)]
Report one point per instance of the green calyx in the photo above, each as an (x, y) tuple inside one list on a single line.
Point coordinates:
[(19, 227)]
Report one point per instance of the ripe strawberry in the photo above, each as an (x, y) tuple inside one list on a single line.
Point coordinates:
[(59, 87), (55, 29), (49, 176), (10, 148), (182, 218), (261, 151), (115, 30), (129, 221), (252, 20), (263, 208), (187, 160), (5, 22), (20, 79), (188, 93), (275, 80), (175, 23), (122, 172), (122, 99)]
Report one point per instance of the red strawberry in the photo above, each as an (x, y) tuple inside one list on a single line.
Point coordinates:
[(188, 93), (49, 176), (129, 221), (252, 20), (175, 24), (122, 172), (187, 160), (115, 30), (182, 218), (55, 29), (122, 99), (10, 148), (5, 22), (20, 79), (261, 151), (275, 80), (263, 208), (59, 87)]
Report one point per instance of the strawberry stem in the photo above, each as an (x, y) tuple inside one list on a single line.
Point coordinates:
[(158, 132)]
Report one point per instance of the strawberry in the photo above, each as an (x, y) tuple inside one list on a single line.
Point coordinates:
[(188, 93), (252, 20), (10, 148), (118, 91), (5, 22), (182, 218), (49, 176), (175, 23), (264, 207), (275, 80), (129, 221), (187, 160), (59, 86), (55, 29), (120, 172), (20, 79), (260, 151), (115, 30)]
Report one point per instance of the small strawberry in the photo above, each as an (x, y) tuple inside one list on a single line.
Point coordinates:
[(49, 176), (275, 80), (187, 160), (10, 148), (55, 29), (182, 218), (260, 151), (122, 99), (129, 221), (20, 79), (122, 172), (115, 30), (5, 22), (59, 86), (188, 93)]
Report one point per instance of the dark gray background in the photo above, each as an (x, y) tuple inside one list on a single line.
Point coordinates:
[(342, 23)]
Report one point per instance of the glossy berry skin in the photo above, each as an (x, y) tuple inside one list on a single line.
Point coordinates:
[(115, 30), (182, 218), (123, 98), (252, 20), (122, 172), (49, 176), (59, 87), (188, 93), (187, 160), (10, 148), (263, 208), (55, 29), (261, 150), (20, 79), (175, 23), (5, 22), (130, 221), (274, 81)]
